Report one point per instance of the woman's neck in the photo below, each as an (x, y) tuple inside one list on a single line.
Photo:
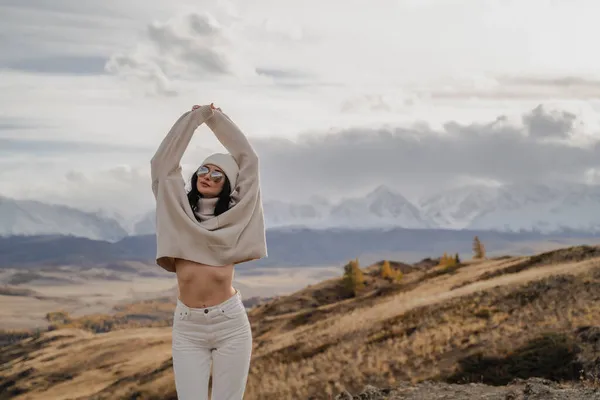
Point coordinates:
[(206, 208)]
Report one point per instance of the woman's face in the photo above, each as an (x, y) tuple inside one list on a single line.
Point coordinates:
[(210, 180)]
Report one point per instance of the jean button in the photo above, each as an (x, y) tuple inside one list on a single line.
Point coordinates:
[(206, 311)]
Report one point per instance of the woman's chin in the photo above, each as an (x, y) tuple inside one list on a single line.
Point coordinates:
[(206, 193)]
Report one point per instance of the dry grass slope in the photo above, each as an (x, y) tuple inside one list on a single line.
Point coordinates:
[(487, 321)]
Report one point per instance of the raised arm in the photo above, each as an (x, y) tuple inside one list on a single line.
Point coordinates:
[(168, 156), (234, 140), (236, 143)]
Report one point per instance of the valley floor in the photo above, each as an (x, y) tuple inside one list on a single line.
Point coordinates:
[(27, 296)]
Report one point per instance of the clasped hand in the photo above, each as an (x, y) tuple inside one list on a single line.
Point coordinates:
[(212, 105)]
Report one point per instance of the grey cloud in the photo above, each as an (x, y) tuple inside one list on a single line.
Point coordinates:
[(280, 73), (201, 50), (38, 34), (60, 64), (367, 102), (419, 158), (562, 81), (197, 48), (545, 124), (293, 79), (209, 60), (138, 68), (66, 148), (526, 88), (203, 25), (64, 6), (15, 124), (193, 46)]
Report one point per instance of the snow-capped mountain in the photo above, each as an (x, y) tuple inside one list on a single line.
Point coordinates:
[(544, 209), (380, 208), (28, 217), (513, 208), (456, 208)]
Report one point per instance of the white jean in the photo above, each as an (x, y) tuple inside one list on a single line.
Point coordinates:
[(219, 334)]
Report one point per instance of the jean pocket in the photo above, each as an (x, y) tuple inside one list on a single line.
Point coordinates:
[(181, 313), (234, 312)]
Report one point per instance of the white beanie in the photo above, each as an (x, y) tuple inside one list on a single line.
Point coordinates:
[(227, 163)]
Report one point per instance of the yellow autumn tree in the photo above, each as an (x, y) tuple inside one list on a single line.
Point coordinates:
[(58, 317), (442, 260), (354, 280), (386, 270), (447, 260), (388, 273), (478, 249)]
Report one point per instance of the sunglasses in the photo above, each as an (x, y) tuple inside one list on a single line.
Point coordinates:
[(215, 176)]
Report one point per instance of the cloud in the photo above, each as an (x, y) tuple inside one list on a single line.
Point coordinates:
[(416, 160), (124, 189), (279, 73), (559, 81), (66, 64), (194, 46), (543, 123), (69, 7), (15, 124), (280, 69), (516, 87), (34, 147), (420, 159), (64, 36), (396, 102)]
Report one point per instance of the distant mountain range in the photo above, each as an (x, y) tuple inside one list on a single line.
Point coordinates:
[(560, 208), (511, 208), (27, 217), (287, 247)]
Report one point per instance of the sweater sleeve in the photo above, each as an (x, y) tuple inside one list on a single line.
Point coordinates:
[(168, 156), (236, 143)]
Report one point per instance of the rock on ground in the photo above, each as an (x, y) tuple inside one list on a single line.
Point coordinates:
[(530, 389)]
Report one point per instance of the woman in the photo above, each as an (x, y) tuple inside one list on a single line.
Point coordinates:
[(200, 236)]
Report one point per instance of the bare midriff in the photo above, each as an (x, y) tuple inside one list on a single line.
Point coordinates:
[(203, 285)]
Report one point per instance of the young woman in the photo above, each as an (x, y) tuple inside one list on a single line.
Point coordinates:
[(200, 236)]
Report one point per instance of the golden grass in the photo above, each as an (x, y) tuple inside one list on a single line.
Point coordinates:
[(147, 313), (434, 325)]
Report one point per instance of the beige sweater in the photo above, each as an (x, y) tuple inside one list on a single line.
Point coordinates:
[(236, 236)]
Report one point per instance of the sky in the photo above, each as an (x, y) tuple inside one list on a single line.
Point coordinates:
[(336, 97)]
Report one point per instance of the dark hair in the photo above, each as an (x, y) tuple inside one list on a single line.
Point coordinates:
[(224, 197)]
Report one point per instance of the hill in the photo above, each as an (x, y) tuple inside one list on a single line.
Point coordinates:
[(497, 323)]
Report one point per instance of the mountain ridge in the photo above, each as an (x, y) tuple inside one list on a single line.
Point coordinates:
[(297, 247), (569, 207), (18, 217), (563, 209)]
